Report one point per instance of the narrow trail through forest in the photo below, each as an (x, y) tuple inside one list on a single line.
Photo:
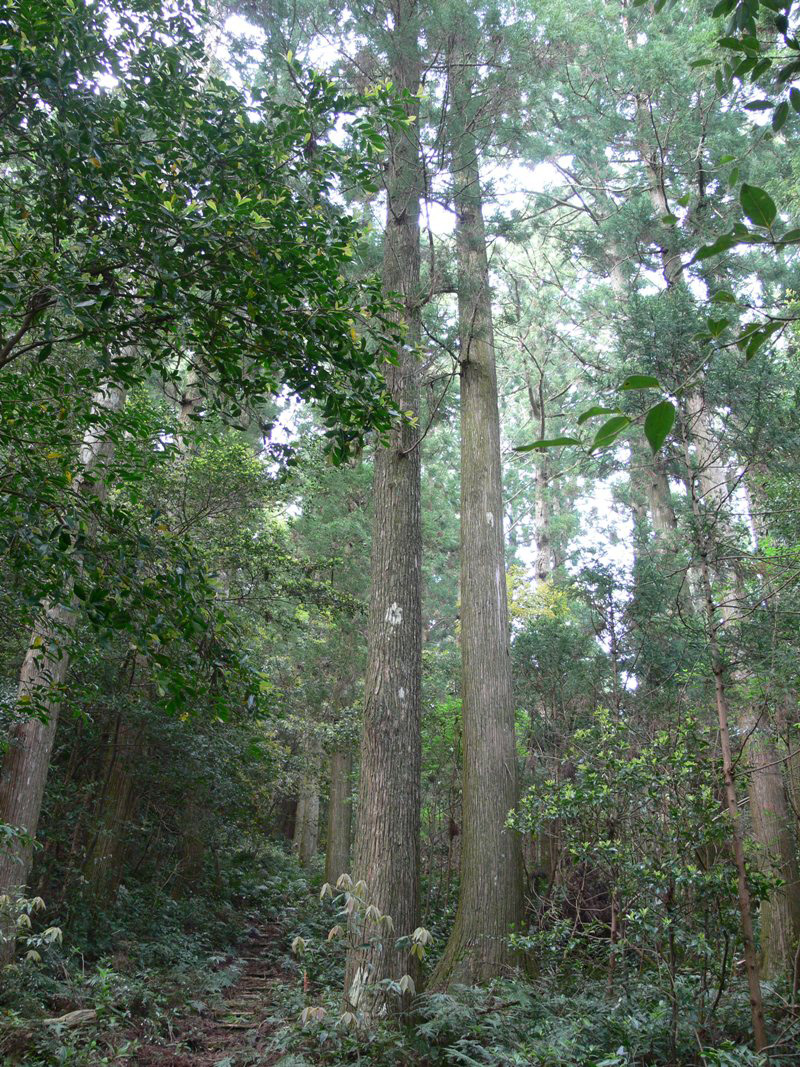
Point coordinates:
[(234, 1031)]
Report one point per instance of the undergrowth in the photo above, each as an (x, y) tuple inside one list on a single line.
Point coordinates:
[(139, 965), (153, 959)]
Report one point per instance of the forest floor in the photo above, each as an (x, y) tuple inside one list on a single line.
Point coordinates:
[(236, 1028)]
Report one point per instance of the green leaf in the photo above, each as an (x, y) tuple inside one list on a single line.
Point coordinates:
[(760, 68), (794, 98), (723, 297), (757, 205), (717, 326), (732, 43), (757, 338), (722, 244), (610, 431), (593, 412), (641, 381), (780, 116), (658, 423), (552, 442)]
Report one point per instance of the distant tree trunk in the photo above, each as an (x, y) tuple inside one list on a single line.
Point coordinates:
[(659, 498), (42, 678), (103, 865), (386, 854), (299, 823), (773, 832), (788, 721), (545, 563), (490, 902), (306, 828), (770, 813), (285, 816), (545, 559), (702, 544), (337, 853), (193, 848), (773, 781)]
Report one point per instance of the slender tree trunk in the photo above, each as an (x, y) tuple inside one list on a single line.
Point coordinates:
[(193, 848), (659, 498), (337, 853), (773, 781), (545, 560), (773, 833), (723, 718), (306, 830), (770, 810), (299, 823), (27, 759), (103, 865), (388, 824), (788, 721), (42, 679), (545, 563), (490, 897)]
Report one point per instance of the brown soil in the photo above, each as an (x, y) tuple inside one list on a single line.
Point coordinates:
[(236, 1029)]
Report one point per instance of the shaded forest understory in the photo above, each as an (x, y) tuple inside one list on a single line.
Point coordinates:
[(400, 526)]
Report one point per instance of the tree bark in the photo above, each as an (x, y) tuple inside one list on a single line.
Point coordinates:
[(490, 898), (103, 865), (42, 679), (388, 823), (337, 852), (659, 498), (773, 782), (545, 562), (306, 829), (772, 831), (723, 717)]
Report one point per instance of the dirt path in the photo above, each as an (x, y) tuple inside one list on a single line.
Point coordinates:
[(234, 1032)]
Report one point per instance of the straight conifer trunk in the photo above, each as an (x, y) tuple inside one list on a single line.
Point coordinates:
[(490, 897), (337, 852), (770, 814), (306, 827), (103, 865), (388, 822), (772, 825), (704, 545)]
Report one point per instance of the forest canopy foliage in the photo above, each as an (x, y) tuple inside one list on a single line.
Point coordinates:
[(399, 513)]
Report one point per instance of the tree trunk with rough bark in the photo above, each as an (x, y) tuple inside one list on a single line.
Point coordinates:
[(490, 897), (659, 498), (772, 827), (337, 851), (103, 864), (306, 829), (386, 853), (773, 780)]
